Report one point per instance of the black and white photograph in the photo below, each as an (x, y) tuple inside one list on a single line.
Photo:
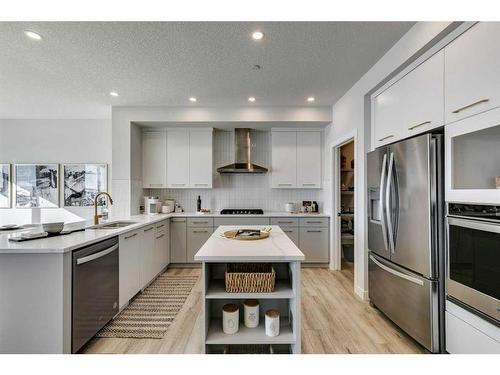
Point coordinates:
[(5, 185), (82, 182), (37, 185)]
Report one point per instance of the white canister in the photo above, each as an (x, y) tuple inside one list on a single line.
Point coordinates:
[(230, 318), (272, 323), (251, 313), (290, 207)]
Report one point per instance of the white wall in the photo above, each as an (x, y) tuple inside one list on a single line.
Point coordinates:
[(53, 141), (239, 190), (348, 117)]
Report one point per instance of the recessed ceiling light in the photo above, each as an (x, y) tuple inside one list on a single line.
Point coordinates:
[(257, 35), (251, 99), (192, 99), (32, 35), (113, 93), (310, 99)]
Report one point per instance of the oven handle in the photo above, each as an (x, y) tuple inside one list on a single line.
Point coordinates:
[(95, 256), (473, 224)]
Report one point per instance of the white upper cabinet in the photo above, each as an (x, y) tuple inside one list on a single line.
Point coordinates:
[(284, 159), (472, 72), (154, 159), (296, 159), (200, 158), (412, 105), (308, 159), (178, 158), (189, 158)]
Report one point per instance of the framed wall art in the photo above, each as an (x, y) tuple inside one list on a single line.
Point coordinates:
[(82, 182), (5, 186), (37, 185)]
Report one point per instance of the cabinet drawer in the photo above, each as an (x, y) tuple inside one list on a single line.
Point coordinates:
[(321, 222), (196, 237), (314, 243), (285, 221), (161, 226), (292, 233), (200, 222), (241, 221)]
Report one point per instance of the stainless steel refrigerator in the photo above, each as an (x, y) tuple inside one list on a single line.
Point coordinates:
[(406, 236)]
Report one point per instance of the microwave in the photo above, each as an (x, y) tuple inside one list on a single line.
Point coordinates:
[(473, 258)]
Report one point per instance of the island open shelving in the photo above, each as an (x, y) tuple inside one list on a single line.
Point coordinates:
[(285, 258)]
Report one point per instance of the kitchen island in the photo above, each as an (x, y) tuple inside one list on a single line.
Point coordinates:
[(285, 258)]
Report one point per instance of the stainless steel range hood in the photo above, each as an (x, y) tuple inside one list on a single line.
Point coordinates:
[(242, 155)]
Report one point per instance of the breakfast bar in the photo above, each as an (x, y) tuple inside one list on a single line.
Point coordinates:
[(222, 255)]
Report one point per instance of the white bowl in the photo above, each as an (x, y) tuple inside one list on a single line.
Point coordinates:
[(53, 228)]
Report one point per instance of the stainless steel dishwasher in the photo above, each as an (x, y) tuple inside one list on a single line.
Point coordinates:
[(95, 290)]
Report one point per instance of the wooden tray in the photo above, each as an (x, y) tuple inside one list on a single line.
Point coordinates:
[(231, 234)]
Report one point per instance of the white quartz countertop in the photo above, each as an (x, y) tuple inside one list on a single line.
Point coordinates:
[(277, 247), (72, 241), (76, 240), (266, 214)]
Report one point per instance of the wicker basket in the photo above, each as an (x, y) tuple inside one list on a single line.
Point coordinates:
[(250, 278)]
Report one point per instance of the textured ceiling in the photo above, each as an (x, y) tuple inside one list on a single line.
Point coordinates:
[(72, 70)]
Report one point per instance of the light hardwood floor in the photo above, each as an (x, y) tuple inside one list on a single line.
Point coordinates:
[(334, 320)]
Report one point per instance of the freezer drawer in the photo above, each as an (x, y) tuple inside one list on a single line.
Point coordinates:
[(407, 299)]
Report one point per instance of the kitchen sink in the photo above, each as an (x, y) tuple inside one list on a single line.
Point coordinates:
[(113, 225)]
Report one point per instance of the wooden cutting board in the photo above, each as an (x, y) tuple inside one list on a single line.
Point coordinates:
[(232, 235)]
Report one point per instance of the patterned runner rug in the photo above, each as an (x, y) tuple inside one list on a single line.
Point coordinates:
[(151, 312)]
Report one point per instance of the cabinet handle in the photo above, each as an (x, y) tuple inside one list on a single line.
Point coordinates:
[(132, 235), (285, 222), (178, 184), (160, 236), (160, 226), (314, 231), (147, 230), (313, 222), (470, 105), (200, 222), (418, 125), (384, 138), (288, 231), (179, 220), (155, 185), (200, 231), (309, 184), (200, 184), (284, 184)]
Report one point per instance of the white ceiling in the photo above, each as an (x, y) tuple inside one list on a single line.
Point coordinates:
[(71, 71)]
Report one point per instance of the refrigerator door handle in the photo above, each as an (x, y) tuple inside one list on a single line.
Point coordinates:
[(388, 204), (397, 273), (383, 181)]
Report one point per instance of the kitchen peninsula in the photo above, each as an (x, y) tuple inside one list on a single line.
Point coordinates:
[(284, 257)]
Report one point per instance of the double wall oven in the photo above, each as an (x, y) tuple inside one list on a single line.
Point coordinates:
[(473, 279)]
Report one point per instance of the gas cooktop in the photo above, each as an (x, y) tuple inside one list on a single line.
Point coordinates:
[(242, 211)]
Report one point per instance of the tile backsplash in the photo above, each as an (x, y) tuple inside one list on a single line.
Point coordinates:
[(239, 190)]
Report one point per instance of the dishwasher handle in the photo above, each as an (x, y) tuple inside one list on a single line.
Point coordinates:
[(95, 256)]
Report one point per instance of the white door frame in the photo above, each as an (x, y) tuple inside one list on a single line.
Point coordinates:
[(335, 244)]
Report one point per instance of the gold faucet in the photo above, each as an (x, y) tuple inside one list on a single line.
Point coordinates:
[(96, 216)]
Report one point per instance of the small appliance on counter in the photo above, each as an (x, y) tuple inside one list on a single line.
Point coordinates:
[(290, 207), (168, 206), (152, 205)]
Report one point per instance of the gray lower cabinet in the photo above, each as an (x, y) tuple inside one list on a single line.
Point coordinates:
[(314, 243), (293, 234), (178, 240), (196, 237)]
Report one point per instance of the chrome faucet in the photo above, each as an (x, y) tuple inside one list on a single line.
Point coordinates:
[(96, 198)]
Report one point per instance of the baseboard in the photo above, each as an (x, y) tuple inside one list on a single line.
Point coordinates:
[(184, 265), (361, 293)]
